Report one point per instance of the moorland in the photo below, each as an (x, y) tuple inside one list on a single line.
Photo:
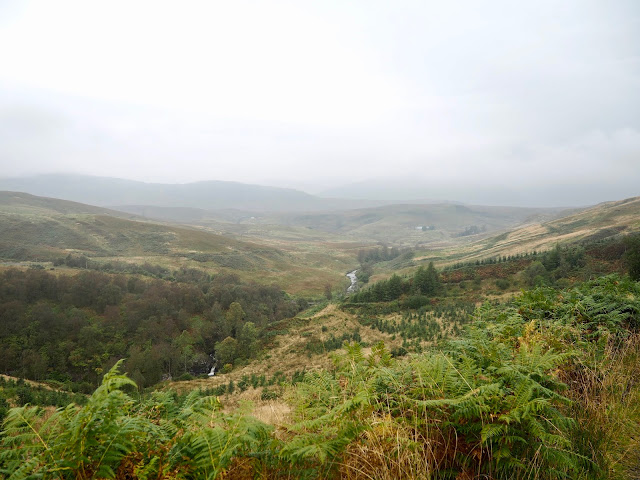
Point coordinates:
[(206, 330)]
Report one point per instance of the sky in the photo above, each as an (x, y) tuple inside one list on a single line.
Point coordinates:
[(453, 97)]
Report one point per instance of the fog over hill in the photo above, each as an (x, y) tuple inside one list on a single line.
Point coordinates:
[(221, 195), (545, 194), (208, 195)]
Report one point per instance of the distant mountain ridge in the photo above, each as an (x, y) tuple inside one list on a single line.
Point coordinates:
[(553, 194), (105, 191)]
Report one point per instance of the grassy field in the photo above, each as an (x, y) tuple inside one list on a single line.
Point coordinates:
[(36, 229)]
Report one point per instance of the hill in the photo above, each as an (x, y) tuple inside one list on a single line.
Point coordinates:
[(401, 225), (553, 369), (45, 229), (604, 221), (210, 195)]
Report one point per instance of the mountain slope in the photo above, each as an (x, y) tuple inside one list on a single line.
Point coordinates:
[(207, 194), (603, 221), (44, 229), (396, 224), (55, 226)]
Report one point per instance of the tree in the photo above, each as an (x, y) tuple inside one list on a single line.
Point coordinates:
[(393, 288), (632, 256), (364, 273), (427, 281), (247, 339), (226, 350), (552, 259), (233, 319), (184, 343), (327, 291), (535, 274)]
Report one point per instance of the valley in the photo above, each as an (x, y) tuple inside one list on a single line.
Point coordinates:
[(301, 240), (290, 307)]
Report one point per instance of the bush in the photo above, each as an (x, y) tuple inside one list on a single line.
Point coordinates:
[(632, 256), (415, 301), (269, 394), (184, 377)]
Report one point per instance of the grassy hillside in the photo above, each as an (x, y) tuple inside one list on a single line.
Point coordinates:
[(36, 228), (445, 224), (603, 221), (474, 381), (609, 220)]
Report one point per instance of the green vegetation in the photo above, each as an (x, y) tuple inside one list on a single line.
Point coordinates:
[(632, 256), (471, 230), (539, 385), (19, 393), (49, 231), (315, 345), (381, 254), (427, 324), (424, 283), (72, 328), (605, 222), (542, 387), (277, 380), (114, 435)]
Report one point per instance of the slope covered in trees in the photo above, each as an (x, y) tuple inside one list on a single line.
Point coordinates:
[(424, 283), (541, 387), (73, 328)]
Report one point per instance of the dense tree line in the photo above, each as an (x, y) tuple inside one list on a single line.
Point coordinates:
[(191, 275), (380, 254), (471, 230), (424, 283), (73, 328), (555, 264)]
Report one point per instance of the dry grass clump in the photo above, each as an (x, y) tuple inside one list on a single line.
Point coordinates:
[(389, 450), (605, 388)]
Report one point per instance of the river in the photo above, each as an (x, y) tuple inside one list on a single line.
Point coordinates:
[(354, 281)]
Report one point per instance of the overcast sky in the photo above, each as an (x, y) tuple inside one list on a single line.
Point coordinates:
[(319, 94)]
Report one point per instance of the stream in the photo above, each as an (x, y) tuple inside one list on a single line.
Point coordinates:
[(354, 281)]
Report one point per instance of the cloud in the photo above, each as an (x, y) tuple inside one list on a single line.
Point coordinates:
[(503, 95)]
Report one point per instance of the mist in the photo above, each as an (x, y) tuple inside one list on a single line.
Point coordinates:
[(513, 104)]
